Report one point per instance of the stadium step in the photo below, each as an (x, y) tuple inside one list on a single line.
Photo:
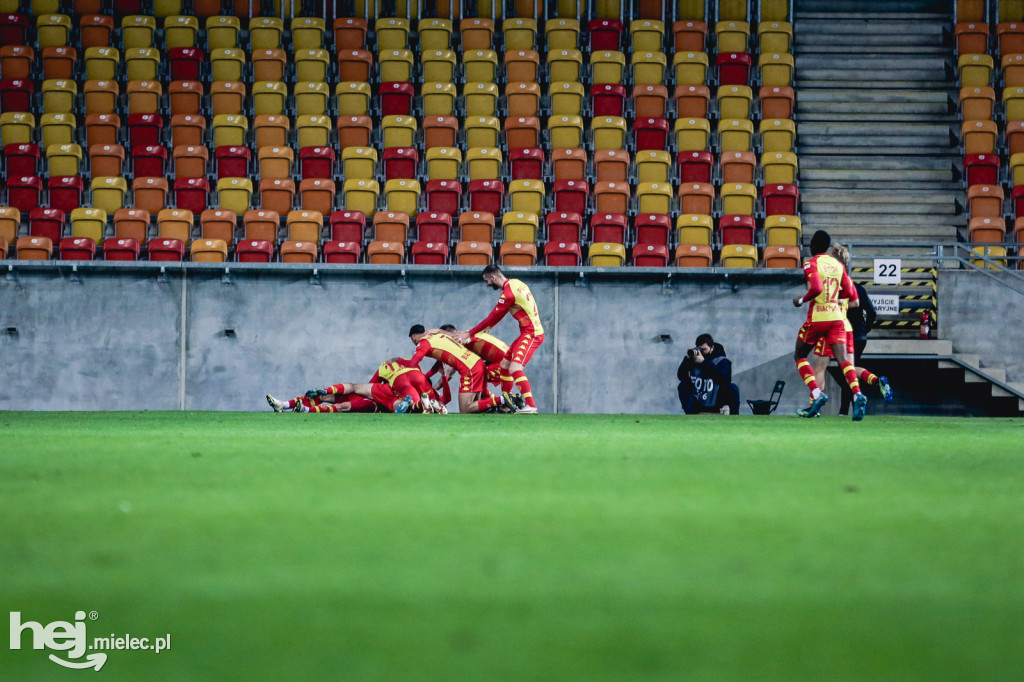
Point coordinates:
[(988, 379), (877, 124)]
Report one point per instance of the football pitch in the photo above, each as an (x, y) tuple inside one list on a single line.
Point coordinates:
[(464, 548)]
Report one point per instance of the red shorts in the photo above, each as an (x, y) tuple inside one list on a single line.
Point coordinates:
[(523, 348), (384, 396), (825, 350), (405, 384), (475, 381), (358, 403), (831, 331)]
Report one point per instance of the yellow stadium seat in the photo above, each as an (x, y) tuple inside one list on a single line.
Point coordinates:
[(609, 132), (691, 68), (101, 63), (229, 130), (392, 33), (89, 222), (353, 98), (265, 33), (64, 159), (359, 163), (739, 256), (653, 165), (782, 230), (735, 135), (694, 228), (484, 163), (647, 35), (311, 98), (222, 31), (438, 66), (734, 101), (775, 36), (481, 99), (138, 31), (53, 30), (776, 69), (438, 99), (402, 195), (313, 131), (562, 34), (480, 66), (606, 255), (435, 34), (692, 134), (109, 193), (180, 31), (59, 96), (443, 163), (519, 226), (607, 67), (235, 194), (777, 134), (395, 66), (482, 131), (654, 197), (649, 68), (227, 64), (520, 33), (975, 70), (739, 198), (308, 33), (732, 36), (779, 168), (398, 131), (16, 127), (57, 129), (566, 98), (526, 196), (565, 131), (564, 65), (361, 195)]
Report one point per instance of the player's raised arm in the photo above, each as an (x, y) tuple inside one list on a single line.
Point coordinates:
[(814, 286), (499, 311)]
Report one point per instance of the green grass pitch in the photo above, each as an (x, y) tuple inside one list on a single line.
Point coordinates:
[(463, 548)]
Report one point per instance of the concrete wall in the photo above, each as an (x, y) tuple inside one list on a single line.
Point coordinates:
[(984, 317), (111, 338)]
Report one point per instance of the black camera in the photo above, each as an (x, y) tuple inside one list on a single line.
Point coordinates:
[(692, 352)]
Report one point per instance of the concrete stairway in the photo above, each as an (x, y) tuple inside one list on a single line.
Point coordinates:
[(980, 389), (875, 83)]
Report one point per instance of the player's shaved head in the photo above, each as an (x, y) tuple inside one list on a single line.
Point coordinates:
[(820, 242), (417, 329)]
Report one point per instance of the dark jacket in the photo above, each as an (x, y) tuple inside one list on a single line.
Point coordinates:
[(862, 318), (716, 367)]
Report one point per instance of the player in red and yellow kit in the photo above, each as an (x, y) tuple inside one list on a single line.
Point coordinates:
[(471, 368), (822, 352), (393, 388), (827, 283), (517, 299)]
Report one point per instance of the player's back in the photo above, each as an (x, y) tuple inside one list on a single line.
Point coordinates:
[(445, 349), (389, 371), (524, 307), (490, 348), (826, 304)]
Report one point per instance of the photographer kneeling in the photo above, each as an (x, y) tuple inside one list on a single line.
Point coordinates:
[(705, 379)]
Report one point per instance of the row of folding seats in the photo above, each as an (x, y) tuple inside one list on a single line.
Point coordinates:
[(421, 253), (392, 226)]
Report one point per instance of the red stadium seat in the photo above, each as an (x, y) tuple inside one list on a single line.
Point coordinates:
[(347, 226), (564, 227), (232, 162), (144, 129), (254, 251), (571, 196), (527, 163), (608, 99), (22, 159), (77, 248), (736, 229), (396, 99), (563, 254), (400, 163), (608, 228), (16, 95), (186, 63), (14, 29), (695, 166), (192, 194), (429, 253), (23, 192), (46, 222), (122, 248), (780, 199), (433, 227), (651, 133), (733, 68), (150, 161), (444, 196), (317, 162), (486, 196), (652, 228), (650, 255), (605, 35), (981, 169), (166, 250), (347, 253), (65, 192)]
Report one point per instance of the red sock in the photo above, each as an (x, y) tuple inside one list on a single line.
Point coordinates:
[(850, 372), (324, 407), (807, 374), (335, 389), (524, 387), (487, 403), (867, 377), (506, 382)]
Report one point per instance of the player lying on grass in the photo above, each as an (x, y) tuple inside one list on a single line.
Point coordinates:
[(517, 299), (491, 350), (471, 368), (827, 282), (394, 387), (823, 354)]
